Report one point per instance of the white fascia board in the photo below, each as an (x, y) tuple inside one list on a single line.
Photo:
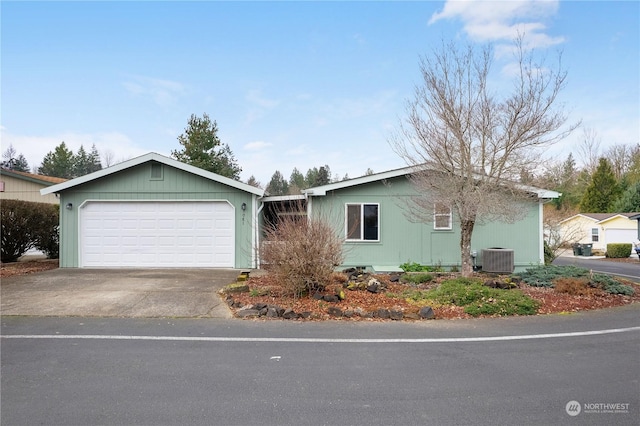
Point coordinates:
[(272, 198), (152, 156), (322, 190)]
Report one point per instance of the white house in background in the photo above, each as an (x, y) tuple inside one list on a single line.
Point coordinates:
[(600, 229)]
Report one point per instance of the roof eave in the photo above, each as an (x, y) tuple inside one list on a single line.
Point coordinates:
[(152, 156)]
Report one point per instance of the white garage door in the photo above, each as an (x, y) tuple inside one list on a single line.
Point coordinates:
[(621, 235), (157, 234)]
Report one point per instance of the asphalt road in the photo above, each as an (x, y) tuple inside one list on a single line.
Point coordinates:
[(524, 371), (630, 271)]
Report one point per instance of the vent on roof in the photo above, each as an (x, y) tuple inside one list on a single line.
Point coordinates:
[(498, 260), (156, 171)]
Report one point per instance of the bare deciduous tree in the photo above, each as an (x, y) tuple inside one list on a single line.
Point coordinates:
[(589, 149), (468, 145)]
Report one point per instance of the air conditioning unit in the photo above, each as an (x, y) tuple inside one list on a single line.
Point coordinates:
[(498, 260)]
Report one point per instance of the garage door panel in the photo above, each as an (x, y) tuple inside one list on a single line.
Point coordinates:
[(157, 234)]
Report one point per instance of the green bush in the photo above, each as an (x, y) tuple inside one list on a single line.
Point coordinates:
[(26, 225), (478, 299), (47, 235), (545, 276), (618, 250), (416, 267), (417, 278)]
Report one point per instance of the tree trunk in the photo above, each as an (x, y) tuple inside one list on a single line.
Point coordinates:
[(466, 230)]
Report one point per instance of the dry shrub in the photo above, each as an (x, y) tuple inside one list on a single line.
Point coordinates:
[(301, 253), (576, 287)]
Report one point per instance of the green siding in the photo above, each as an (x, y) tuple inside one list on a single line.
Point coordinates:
[(136, 184), (402, 240)]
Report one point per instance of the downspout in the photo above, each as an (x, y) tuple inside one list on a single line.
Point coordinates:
[(256, 259)]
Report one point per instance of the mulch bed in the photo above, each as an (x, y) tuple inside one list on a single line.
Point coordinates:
[(27, 267), (550, 300)]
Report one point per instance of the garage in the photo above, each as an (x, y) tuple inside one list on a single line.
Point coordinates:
[(157, 234), (621, 235)]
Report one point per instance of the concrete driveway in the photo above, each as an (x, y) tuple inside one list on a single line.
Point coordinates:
[(133, 293)]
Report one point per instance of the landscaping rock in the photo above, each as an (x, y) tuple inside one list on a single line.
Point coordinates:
[(331, 298), (272, 313), (245, 313), (305, 314), (318, 296), (383, 313), (335, 312), (396, 315), (289, 314), (411, 316), (426, 312), (394, 278), (236, 288), (499, 284), (374, 286)]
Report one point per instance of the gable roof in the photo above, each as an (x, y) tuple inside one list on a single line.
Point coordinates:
[(602, 217), (31, 177), (152, 156), (322, 190)]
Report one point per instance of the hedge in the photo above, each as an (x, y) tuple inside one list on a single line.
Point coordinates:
[(618, 250), (27, 225)]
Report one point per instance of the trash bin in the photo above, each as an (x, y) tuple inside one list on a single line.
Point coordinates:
[(577, 249), (586, 249)]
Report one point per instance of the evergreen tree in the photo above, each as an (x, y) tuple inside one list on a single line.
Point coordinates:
[(602, 192), (13, 162), (324, 176), (278, 184), (254, 182), (297, 179), (202, 148), (86, 163), (629, 201), (58, 163)]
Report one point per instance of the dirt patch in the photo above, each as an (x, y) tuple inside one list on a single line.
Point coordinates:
[(27, 267), (265, 290)]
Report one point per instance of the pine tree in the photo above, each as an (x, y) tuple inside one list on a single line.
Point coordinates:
[(602, 192), (13, 162), (278, 184), (202, 148), (58, 163)]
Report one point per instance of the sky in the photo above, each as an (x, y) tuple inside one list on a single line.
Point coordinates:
[(290, 84)]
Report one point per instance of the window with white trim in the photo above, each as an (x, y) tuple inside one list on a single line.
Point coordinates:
[(442, 216), (594, 235), (362, 222)]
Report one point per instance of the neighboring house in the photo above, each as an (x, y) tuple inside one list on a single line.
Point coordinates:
[(636, 217), (600, 229), (153, 211), (25, 186), (369, 213)]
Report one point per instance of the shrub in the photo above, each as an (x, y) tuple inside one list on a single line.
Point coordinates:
[(302, 254), (618, 250), (417, 278), (543, 275), (548, 276), (46, 237), (481, 300), (575, 286), (26, 225), (610, 285), (416, 267)]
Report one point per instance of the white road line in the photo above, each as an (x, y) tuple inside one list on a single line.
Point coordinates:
[(319, 340)]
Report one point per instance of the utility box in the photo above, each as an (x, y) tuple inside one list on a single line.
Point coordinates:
[(498, 260)]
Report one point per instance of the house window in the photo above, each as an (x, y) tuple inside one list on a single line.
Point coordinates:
[(594, 235), (156, 171), (362, 222), (441, 216)]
